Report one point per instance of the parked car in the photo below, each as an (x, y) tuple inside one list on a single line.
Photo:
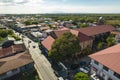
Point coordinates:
[(84, 70), (94, 77), (60, 78)]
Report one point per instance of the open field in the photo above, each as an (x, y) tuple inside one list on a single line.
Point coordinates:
[(113, 22)]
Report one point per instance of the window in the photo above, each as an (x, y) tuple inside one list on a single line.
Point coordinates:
[(96, 62), (117, 75), (105, 68)]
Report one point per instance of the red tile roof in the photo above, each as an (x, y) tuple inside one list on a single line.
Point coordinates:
[(12, 50), (74, 32), (109, 57), (91, 31), (58, 33), (48, 42), (82, 37)]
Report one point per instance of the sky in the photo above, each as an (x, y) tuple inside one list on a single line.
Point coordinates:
[(58, 6)]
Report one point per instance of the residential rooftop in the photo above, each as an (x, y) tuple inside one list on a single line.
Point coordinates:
[(109, 57), (14, 62), (48, 42), (95, 30), (14, 49)]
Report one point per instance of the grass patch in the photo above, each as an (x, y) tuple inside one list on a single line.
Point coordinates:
[(113, 22)]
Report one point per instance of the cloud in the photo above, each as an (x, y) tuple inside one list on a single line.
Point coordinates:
[(19, 2), (44, 6), (12, 2)]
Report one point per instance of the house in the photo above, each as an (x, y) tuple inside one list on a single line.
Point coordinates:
[(106, 63), (68, 24), (97, 32), (35, 36), (2, 27), (48, 42), (13, 60), (87, 36), (22, 28), (85, 41)]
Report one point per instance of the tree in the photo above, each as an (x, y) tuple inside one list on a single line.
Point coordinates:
[(86, 51), (10, 32), (50, 25), (27, 22), (83, 25), (82, 20), (81, 76), (3, 33), (1, 39), (64, 47), (17, 38), (100, 45), (35, 22), (110, 41), (89, 20)]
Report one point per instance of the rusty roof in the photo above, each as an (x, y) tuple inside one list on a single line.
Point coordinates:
[(12, 50), (58, 33), (14, 62)]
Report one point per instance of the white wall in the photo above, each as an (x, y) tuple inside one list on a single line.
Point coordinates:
[(102, 72)]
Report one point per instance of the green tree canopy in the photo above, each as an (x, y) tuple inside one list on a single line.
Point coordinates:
[(1, 39), (81, 76), (3, 33), (10, 32), (35, 22), (27, 22), (83, 25), (64, 47), (110, 41), (100, 45), (82, 20)]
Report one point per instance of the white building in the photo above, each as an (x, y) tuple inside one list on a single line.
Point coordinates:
[(106, 63)]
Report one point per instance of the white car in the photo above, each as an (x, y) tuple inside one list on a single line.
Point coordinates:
[(94, 77), (60, 78), (84, 70)]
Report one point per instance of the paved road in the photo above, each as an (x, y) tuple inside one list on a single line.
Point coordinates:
[(41, 63)]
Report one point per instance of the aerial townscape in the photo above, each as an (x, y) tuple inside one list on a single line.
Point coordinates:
[(38, 42)]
